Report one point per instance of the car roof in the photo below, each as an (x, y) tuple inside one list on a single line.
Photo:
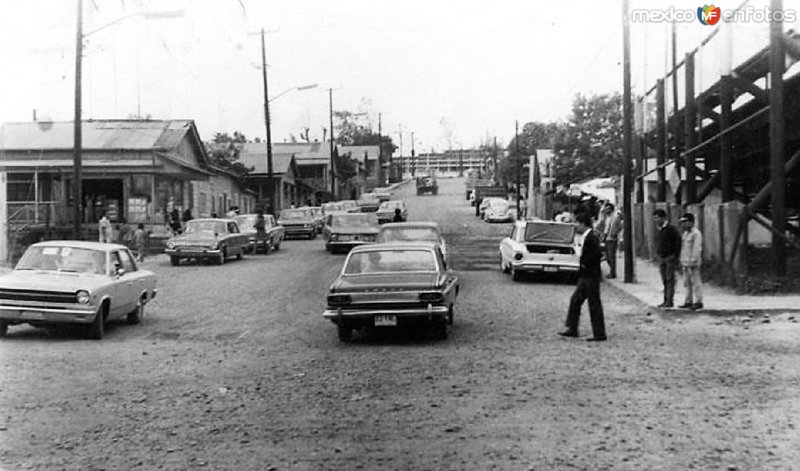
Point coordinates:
[(412, 224), (82, 244), (213, 219), (394, 246), (524, 222)]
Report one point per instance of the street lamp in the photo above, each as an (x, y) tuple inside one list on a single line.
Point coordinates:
[(299, 89), (77, 153)]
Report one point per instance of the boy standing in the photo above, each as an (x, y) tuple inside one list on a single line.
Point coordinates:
[(691, 250)]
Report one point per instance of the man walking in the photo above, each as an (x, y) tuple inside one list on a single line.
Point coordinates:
[(691, 249), (612, 228), (668, 249), (588, 283)]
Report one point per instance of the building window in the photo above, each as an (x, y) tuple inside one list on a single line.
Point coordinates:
[(202, 205)]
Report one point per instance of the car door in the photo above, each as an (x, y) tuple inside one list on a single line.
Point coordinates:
[(451, 280), (236, 238), (507, 245), (326, 229), (124, 284)]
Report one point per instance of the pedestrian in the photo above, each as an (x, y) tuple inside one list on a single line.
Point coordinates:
[(187, 215), (588, 287), (261, 231), (104, 229), (398, 216), (175, 221), (668, 249), (611, 230), (124, 234), (691, 261), (139, 242)]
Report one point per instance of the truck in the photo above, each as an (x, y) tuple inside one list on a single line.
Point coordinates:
[(427, 184), (484, 191), (474, 178)]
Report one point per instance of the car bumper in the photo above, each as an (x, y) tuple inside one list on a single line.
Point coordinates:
[(305, 231), (539, 267), (47, 315), (429, 312), (192, 253), (349, 244)]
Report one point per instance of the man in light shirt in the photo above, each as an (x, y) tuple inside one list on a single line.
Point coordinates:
[(691, 260)]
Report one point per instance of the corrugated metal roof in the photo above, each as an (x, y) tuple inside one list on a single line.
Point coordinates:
[(254, 154), (101, 135)]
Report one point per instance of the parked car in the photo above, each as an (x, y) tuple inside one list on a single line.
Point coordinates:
[(538, 246), (499, 210), (385, 212), (390, 285), (383, 193), (351, 206), (419, 231), (274, 233), (485, 204), (332, 207), (317, 216), (343, 231), (298, 223), (208, 239), (368, 203), (64, 282)]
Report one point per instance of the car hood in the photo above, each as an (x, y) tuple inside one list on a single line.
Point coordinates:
[(354, 230), (294, 222), (193, 239), (406, 281), (41, 280)]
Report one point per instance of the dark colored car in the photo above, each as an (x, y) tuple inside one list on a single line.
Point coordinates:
[(368, 203), (343, 231), (208, 239), (387, 209), (298, 223), (273, 233), (393, 285), (427, 185)]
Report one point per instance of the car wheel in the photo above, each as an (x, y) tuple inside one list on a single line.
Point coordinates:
[(450, 315), (3, 329), (505, 269), (135, 316), (97, 329), (222, 256), (344, 332), (440, 329), (175, 261), (240, 253)]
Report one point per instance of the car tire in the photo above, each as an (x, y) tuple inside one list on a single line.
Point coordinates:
[(135, 316), (515, 274), (3, 329), (97, 329), (240, 253), (175, 261), (344, 332), (450, 315), (503, 267)]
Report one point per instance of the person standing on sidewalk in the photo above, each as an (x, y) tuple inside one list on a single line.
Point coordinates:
[(104, 229), (612, 228), (588, 283), (691, 250), (668, 249)]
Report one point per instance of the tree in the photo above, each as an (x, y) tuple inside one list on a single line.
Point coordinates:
[(351, 130), (591, 144), (223, 151), (532, 136)]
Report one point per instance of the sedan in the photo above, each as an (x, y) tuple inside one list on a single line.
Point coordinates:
[(343, 231), (391, 285), (208, 239), (500, 211), (417, 231), (59, 283), (536, 246), (387, 209), (484, 205), (298, 223)]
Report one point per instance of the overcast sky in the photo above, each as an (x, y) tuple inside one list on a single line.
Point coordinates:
[(461, 70)]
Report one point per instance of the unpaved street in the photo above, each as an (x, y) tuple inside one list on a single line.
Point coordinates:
[(234, 368)]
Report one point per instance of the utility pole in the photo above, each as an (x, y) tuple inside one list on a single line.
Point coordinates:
[(77, 157), (777, 66), (676, 130), (381, 176), (333, 162), (413, 156), (461, 160), (627, 183), (270, 175), (517, 162), (494, 162)]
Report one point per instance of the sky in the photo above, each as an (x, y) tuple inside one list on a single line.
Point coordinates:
[(455, 73)]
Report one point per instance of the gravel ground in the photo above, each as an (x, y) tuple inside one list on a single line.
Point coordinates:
[(234, 368)]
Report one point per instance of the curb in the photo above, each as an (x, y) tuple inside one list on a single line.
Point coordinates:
[(395, 185)]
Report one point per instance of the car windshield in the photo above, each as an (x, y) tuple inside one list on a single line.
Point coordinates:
[(390, 261), (408, 234), (296, 214), (549, 232), (331, 207), (391, 204), (354, 220), (204, 227), (64, 259), (246, 222), (499, 204)]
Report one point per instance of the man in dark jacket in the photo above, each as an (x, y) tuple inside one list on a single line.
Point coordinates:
[(588, 282), (668, 251)]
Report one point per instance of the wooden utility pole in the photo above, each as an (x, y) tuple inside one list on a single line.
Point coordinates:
[(777, 125), (725, 152), (77, 151), (517, 162), (333, 161), (381, 176), (689, 121), (676, 125), (627, 115), (413, 156), (270, 174), (661, 143)]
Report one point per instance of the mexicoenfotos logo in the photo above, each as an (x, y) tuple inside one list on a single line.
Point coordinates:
[(709, 15)]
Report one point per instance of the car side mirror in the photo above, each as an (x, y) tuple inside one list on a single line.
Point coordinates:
[(119, 271)]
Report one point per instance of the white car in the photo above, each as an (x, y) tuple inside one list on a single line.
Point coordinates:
[(538, 246), (486, 202), (500, 211)]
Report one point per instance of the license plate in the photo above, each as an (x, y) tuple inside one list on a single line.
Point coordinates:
[(385, 320), (32, 315), (551, 269)]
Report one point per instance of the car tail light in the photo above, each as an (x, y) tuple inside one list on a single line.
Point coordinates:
[(339, 299), (432, 297), (518, 256)]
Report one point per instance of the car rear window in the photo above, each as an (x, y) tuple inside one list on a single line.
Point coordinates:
[(390, 261), (408, 234), (354, 220), (295, 214), (550, 232)]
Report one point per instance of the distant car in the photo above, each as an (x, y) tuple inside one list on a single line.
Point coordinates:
[(383, 193), (390, 285), (385, 212), (538, 246), (368, 203), (298, 223), (350, 206), (484, 204), (500, 211), (318, 216), (74, 282), (273, 233), (417, 231), (208, 239), (343, 231), (427, 185)]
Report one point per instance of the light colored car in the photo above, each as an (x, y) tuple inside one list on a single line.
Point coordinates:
[(208, 239), (383, 193), (350, 206), (390, 285), (385, 212), (332, 207), (343, 231), (318, 216), (486, 202), (500, 210), (538, 246), (273, 233), (299, 222), (75, 282), (419, 231), (368, 203)]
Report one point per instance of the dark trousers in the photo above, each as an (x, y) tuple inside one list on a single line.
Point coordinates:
[(588, 288), (667, 268), (611, 256)]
